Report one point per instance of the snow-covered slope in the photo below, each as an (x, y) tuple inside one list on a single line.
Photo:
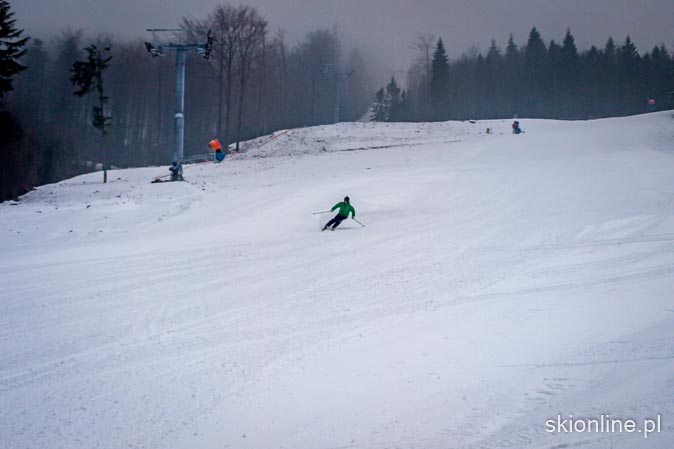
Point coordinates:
[(500, 281)]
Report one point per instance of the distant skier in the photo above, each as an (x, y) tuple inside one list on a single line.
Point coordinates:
[(516, 127), (344, 208), (216, 146)]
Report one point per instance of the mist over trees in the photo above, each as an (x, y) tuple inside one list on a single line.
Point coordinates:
[(534, 80), (255, 82), (538, 80)]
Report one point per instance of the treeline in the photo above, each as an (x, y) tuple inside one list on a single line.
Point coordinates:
[(535, 80), (255, 82)]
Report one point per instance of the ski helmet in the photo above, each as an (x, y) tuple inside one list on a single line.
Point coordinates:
[(346, 198)]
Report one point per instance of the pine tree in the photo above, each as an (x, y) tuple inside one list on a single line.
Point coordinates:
[(494, 53), (658, 76), (512, 52), (554, 81), (11, 48), (30, 85), (440, 82), (610, 50), (391, 104), (569, 59), (534, 63), (513, 76), (569, 46), (609, 78), (535, 51), (569, 71), (88, 78), (633, 98), (394, 101), (590, 88), (494, 91), (379, 108), (628, 51), (405, 108)]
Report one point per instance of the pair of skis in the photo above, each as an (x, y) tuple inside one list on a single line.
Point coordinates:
[(329, 212)]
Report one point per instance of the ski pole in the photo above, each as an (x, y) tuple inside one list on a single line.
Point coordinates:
[(358, 222), (324, 212)]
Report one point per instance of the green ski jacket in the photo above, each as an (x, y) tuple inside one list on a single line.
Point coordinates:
[(344, 209)]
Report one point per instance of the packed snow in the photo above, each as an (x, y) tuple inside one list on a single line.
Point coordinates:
[(499, 281)]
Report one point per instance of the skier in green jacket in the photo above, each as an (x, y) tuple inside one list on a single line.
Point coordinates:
[(344, 208)]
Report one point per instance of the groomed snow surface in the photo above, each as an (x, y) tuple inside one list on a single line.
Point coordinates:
[(500, 280)]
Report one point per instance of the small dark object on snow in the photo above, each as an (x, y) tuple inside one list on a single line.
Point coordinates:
[(516, 127), (176, 170)]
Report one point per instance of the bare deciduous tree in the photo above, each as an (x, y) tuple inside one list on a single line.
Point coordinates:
[(250, 37), (419, 75), (224, 27)]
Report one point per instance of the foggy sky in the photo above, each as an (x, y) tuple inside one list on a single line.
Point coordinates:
[(385, 28)]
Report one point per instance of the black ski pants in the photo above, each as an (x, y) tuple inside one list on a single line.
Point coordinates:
[(336, 221)]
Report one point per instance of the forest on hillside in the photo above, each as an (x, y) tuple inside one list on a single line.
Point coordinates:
[(282, 85), (536, 79), (256, 82)]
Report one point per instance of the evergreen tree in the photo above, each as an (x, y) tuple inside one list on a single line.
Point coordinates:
[(569, 49), (13, 167), (11, 48), (379, 108), (630, 88), (492, 76), (554, 81), (64, 112), (569, 60), (568, 76), (394, 101), (628, 51), (88, 78), (440, 82), (30, 85), (535, 51), (609, 77), (405, 108), (391, 104), (657, 79), (494, 52), (513, 75), (610, 51), (512, 52), (590, 89), (534, 64)]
